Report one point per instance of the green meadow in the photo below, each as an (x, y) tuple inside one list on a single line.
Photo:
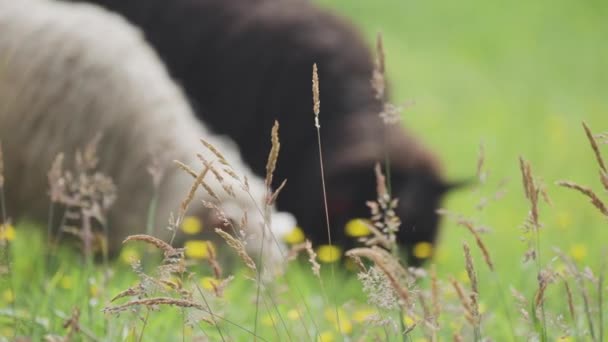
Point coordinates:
[(512, 79)]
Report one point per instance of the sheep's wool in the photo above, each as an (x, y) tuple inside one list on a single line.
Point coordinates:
[(69, 71)]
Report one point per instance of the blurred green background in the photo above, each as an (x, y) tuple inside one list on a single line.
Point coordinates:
[(519, 76)]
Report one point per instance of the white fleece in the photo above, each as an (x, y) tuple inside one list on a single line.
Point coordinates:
[(69, 71)]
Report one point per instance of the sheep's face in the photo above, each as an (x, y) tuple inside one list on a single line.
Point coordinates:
[(418, 193)]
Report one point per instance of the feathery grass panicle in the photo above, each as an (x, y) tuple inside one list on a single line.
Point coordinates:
[(595, 200), (238, 247), (570, 301), (316, 102), (482, 247), (312, 259), (273, 155), (470, 268), (167, 249), (435, 294), (596, 150), (190, 196), (390, 266), (186, 168), (215, 151), (151, 302), (378, 78)]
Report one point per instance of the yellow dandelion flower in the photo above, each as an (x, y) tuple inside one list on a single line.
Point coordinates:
[(463, 276), (94, 290), (191, 225), (7, 332), (66, 282), (327, 253), (423, 250), (296, 235), (129, 254), (7, 233), (268, 320), (293, 314), (197, 249), (326, 336), (408, 320), (564, 220), (8, 296), (578, 251), (362, 315), (343, 324), (208, 283), (356, 228)]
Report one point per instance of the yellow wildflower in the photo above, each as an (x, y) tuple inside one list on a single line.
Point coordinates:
[(66, 282), (197, 249), (423, 250), (209, 283), (191, 225), (293, 314), (408, 320), (268, 320), (343, 325), (8, 296), (7, 232), (326, 336), (578, 251), (129, 254), (296, 235), (362, 315), (356, 228), (327, 253)]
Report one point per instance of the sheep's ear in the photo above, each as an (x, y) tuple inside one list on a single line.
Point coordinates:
[(456, 185)]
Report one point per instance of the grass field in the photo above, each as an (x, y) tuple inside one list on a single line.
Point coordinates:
[(517, 77)]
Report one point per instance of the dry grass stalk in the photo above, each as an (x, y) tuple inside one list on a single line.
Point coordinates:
[(273, 155), (460, 293), (604, 179), (312, 258), (1, 167), (212, 260), (470, 267), (167, 249), (389, 266), (481, 174), (378, 79), (238, 247), (570, 301), (596, 150), (186, 168), (531, 191), (72, 324), (130, 292), (595, 200), (275, 194), (186, 202), (215, 151), (152, 302), (484, 250), (435, 294), (316, 102)]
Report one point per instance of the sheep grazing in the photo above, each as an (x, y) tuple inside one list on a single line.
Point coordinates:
[(245, 63), (69, 71)]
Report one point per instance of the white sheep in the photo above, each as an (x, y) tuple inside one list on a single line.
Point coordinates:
[(69, 71)]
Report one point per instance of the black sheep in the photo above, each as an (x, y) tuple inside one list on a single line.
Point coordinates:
[(245, 63)]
